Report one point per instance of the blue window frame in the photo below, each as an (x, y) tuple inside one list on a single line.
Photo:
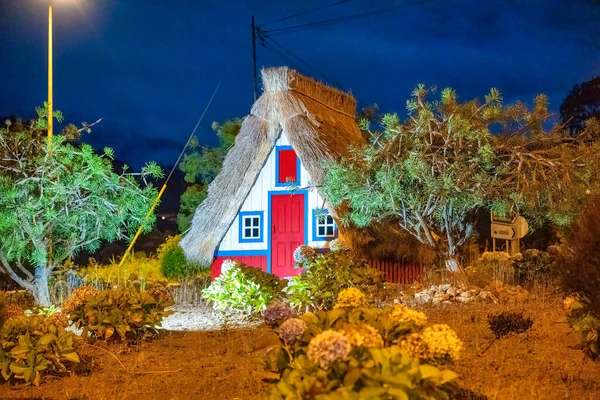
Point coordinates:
[(323, 227), (251, 226), (278, 183)]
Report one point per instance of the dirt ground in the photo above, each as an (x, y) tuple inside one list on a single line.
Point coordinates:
[(540, 364)]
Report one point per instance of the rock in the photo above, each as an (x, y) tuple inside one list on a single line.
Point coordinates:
[(463, 299), (452, 291), (466, 294), (485, 295), (444, 287), (396, 301), (433, 288), (446, 302), (437, 300)]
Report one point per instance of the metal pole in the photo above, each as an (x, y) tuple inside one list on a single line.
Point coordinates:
[(254, 53), (50, 100)]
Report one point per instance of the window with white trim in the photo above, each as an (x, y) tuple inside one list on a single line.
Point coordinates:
[(251, 226), (324, 225)]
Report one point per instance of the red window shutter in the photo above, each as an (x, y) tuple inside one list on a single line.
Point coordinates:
[(288, 166)]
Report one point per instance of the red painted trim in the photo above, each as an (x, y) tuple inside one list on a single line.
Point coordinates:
[(259, 262)]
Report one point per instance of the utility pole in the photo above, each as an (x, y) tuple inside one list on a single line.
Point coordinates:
[(254, 53)]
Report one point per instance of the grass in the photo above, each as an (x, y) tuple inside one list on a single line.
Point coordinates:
[(543, 363)]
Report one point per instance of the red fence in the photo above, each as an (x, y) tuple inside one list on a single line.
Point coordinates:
[(397, 272)]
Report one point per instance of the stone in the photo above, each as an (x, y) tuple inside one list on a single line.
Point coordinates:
[(444, 287), (466, 294), (464, 299), (452, 291), (437, 299), (485, 295)]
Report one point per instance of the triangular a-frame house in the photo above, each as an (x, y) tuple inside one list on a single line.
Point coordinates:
[(250, 213)]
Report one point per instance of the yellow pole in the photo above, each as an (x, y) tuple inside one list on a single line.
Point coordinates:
[(50, 100), (139, 231)]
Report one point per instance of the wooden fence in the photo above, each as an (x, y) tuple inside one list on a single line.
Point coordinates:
[(397, 272)]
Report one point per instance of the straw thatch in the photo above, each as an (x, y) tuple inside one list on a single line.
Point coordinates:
[(319, 123)]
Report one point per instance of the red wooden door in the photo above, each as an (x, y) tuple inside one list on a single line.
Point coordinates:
[(287, 232)]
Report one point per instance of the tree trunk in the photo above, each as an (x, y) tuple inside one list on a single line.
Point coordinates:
[(40, 290), (453, 265)]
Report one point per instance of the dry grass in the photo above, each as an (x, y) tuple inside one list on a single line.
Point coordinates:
[(540, 364)]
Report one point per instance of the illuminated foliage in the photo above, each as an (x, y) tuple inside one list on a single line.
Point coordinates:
[(432, 173), (56, 202), (201, 166)]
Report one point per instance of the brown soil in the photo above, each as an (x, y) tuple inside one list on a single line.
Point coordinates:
[(543, 363)]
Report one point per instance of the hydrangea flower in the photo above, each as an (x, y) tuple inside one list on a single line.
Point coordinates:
[(572, 303), (277, 312), (227, 265), (328, 347), (337, 245), (292, 330), (350, 297), (414, 345), (442, 342), (362, 334), (77, 298), (403, 314), (304, 254)]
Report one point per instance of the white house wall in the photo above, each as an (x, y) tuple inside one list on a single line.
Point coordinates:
[(258, 200)]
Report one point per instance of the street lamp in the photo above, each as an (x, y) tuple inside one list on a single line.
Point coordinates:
[(50, 100)]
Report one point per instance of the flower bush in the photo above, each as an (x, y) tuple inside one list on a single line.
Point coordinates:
[(584, 323), (360, 352), (532, 265), (244, 289), (326, 276), (119, 314), (32, 346)]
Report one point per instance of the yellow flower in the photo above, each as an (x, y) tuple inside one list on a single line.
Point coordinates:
[(415, 345), (362, 334), (442, 341), (404, 314), (351, 297)]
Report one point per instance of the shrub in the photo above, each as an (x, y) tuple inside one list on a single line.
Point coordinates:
[(328, 274), (492, 266), (132, 315), (173, 263), (137, 270), (21, 298), (244, 289), (4, 311), (578, 267), (32, 346), (584, 323), (355, 352), (504, 323), (531, 266)]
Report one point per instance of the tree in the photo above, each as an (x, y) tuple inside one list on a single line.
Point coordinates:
[(581, 104), (202, 166), (57, 201), (434, 172)]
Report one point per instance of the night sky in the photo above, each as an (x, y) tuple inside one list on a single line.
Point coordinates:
[(148, 68)]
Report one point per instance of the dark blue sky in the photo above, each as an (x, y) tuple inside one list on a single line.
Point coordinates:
[(148, 67)]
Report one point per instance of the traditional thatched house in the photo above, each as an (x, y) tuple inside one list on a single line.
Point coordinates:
[(250, 214)]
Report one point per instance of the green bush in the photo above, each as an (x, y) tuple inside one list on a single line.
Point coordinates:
[(531, 266), (584, 323), (120, 314), (31, 346), (173, 263), (244, 289), (357, 351), (326, 275)]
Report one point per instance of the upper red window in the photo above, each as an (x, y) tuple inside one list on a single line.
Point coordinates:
[(287, 167)]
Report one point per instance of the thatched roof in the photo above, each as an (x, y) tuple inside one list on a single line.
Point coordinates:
[(319, 122)]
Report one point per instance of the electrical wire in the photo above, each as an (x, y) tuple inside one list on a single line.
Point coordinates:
[(307, 12), (276, 47), (317, 24)]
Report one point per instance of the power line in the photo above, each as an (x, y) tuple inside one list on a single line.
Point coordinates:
[(295, 60), (332, 21), (307, 12)]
